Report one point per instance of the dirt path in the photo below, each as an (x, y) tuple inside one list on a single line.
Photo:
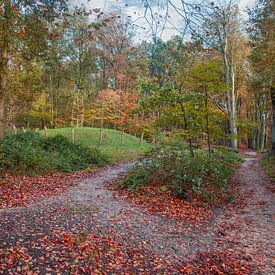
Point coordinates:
[(249, 224), (91, 207)]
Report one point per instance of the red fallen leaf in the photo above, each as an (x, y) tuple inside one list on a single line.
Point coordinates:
[(153, 200), (25, 267), (100, 251), (19, 190)]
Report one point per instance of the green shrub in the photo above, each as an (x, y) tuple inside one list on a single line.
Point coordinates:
[(172, 165), (268, 164), (31, 153), (139, 175)]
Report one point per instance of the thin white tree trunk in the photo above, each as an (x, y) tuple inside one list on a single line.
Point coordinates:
[(263, 133), (234, 109), (228, 96)]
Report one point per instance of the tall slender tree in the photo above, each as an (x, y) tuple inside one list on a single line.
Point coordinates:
[(261, 32), (221, 30)]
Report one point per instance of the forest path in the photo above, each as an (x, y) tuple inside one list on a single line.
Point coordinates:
[(247, 225)]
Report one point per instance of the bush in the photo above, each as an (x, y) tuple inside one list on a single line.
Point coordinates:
[(268, 164), (171, 164), (31, 153)]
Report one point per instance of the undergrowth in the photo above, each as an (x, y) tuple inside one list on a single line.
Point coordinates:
[(31, 153), (171, 164), (268, 164)]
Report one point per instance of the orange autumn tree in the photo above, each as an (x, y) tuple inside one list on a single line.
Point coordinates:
[(113, 109)]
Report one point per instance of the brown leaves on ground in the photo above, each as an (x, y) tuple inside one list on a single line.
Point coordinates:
[(65, 237), (226, 261), (157, 199), (18, 190), (81, 253), (90, 254)]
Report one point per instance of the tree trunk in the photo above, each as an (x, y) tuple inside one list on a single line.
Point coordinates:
[(273, 120), (141, 138), (82, 116), (46, 131), (52, 103), (4, 57), (231, 118), (186, 127), (207, 123), (2, 118), (3, 84), (234, 110), (100, 136), (72, 113), (121, 136), (3, 87), (73, 136), (42, 123), (263, 133)]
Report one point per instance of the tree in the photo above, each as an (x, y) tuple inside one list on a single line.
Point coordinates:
[(222, 28), (206, 80), (260, 29), (24, 86), (113, 50), (17, 19), (81, 63)]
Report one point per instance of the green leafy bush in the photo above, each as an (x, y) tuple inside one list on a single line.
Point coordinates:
[(172, 164), (268, 164), (31, 153)]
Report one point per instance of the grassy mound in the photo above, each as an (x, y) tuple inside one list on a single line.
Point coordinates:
[(111, 145), (31, 153)]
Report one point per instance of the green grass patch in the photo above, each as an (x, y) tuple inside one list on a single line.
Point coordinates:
[(268, 164), (111, 146)]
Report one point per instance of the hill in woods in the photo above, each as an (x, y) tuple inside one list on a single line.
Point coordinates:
[(112, 146)]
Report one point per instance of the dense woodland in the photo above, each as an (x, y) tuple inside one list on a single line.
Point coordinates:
[(72, 66), (125, 149)]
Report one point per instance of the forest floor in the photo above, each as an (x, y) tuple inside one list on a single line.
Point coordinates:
[(92, 229)]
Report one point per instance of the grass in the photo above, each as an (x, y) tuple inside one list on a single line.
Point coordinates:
[(268, 164), (111, 146)]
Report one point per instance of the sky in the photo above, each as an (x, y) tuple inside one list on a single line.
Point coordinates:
[(134, 10)]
